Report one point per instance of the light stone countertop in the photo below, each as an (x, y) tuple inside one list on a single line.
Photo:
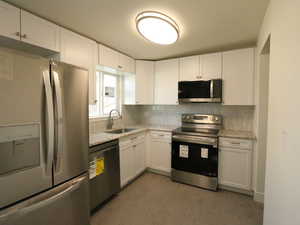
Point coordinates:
[(237, 134), (100, 138)]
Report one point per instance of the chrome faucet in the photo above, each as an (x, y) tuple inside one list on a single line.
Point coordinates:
[(110, 121)]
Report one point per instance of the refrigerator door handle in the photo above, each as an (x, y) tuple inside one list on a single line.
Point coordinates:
[(35, 205), (50, 121), (60, 121)]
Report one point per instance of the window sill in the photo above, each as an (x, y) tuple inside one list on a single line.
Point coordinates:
[(102, 118)]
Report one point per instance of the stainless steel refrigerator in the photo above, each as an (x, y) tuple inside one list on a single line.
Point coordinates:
[(43, 141)]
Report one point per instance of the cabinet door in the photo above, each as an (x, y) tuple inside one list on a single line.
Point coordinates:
[(39, 32), (9, 21), (238, 76), (80, 51), (211, 66), (132, 167), (126, 164), (235, 168), (166, 82), (108, 57), (129, 89), (140, 157), (144, 82), (189, 68), (160, 155), (126, 64)]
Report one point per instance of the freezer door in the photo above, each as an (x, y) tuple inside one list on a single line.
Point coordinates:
[(66, 204), (71, 121), (25, 139)]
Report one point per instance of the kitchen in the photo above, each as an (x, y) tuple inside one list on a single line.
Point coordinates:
[(150, 118)]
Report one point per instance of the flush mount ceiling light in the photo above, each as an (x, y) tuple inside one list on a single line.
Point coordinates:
[(157, 27)]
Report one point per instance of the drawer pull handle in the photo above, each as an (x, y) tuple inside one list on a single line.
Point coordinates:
[(235, 143)]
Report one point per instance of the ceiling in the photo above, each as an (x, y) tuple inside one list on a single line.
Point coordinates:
[(205, 25)]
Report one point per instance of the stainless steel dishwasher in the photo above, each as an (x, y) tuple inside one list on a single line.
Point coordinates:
[(104, 172)]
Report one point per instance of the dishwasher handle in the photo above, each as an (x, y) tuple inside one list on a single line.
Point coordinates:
[(104, 150)]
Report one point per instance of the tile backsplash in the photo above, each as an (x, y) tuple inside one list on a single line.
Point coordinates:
[(234, 117)]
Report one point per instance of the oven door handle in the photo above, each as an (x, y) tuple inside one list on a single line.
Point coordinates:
[(196, 140)]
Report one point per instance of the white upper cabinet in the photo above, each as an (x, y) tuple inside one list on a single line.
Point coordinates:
[(129, 89), (80, 51), (166, 82), (211, 66), (189, 68), (113, 59), (126, 63), (9, 21), (108, 57), (144, 80), (35, 30), (203, 67), (39, 32), (238, 76)]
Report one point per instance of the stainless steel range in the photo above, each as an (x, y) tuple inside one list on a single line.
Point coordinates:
[(195, 150)]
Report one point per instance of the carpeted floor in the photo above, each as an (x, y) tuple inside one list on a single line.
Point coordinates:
[(156, 200)]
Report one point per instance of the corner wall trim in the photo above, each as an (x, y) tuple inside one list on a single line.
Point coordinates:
[(259, 197)]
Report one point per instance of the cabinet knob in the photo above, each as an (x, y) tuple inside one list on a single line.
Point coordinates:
[(17, 34), (24, 36), (198, 77), (95, 101)]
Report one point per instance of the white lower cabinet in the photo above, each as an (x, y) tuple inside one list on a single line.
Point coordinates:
[(132, 157), (159, 151), (140, 157), (235, 160)]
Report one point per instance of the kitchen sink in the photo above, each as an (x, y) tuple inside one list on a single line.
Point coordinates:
[(120, 131)]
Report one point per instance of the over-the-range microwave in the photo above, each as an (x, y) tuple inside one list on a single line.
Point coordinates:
[(200, 91)]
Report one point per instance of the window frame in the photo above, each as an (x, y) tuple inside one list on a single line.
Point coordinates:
[(100, 94)]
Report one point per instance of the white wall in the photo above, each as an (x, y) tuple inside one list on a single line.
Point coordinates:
[(282, 190), (261, 122)]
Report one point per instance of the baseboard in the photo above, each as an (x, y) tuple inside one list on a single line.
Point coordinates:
[(133, 179), (160, 172), (237, 190), (259, 197)]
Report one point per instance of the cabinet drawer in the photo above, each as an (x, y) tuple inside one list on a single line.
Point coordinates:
[(160, 135), (132, 140), (235, 143)]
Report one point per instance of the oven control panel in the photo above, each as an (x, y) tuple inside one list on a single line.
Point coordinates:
[(200, 118)]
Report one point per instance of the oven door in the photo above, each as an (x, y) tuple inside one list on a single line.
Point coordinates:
[(197, 155)]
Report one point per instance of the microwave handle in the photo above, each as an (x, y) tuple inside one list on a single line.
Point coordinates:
[(212, 88)]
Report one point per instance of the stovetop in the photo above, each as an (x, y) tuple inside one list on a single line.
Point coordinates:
[(202, 133)]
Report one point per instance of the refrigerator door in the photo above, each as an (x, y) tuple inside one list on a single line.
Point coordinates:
[(66, 204), (71, 121), (26, 130)]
